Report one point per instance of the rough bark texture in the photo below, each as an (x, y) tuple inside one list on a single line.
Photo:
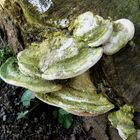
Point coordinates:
[(11, 32)]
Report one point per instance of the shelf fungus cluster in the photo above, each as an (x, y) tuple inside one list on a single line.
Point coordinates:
[(56, 70)]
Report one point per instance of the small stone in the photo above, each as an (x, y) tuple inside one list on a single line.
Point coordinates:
[(4, 118)]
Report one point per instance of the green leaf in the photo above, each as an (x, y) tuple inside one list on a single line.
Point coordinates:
[(22, 114), (26, 98), (4, 54), (65, 118), (63, 112)]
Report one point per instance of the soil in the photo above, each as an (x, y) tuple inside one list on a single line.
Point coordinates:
[(41, 124)]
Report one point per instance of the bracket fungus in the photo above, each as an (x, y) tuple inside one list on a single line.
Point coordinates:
[(122, 33), (69, 56), (78, 99), (122, 121), (92, 29), (10, 73)]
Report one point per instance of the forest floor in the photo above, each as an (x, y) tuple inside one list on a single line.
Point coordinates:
[(41, 124)]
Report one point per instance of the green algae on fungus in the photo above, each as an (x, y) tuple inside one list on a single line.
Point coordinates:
[(59, 57), (86, 58), (77, 102), (9, 73), (92, 29), (29, 59), (65, 48), (38, 57), (83, 79), (122, 121), (78, 99)]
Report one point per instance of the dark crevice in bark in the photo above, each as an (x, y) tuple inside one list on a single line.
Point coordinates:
[(2, 34), (20, 39), (102, 84), (3, 37), (107, 131), (137, 120)]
